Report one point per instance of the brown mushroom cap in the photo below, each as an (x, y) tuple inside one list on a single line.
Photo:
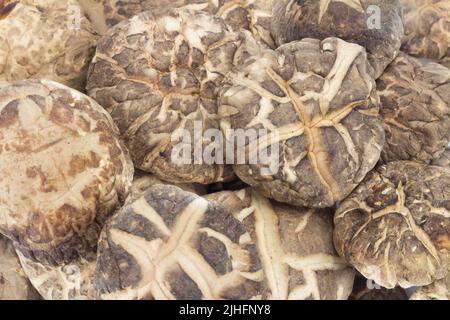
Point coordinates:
[(294, 245), (395, 227), (365, 289), (443, 160), (252, 15), (427, 28), (63, 169), (14, 285), (158, 75), (173, 244), (350, 20), (438, 290), (415, 105), (44, 39), (317, 100)]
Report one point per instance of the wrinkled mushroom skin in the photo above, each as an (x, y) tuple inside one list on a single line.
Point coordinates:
[(72, 281), (315, 99), (427, 28), (349, 20), (252, 15), (14, 285), (395, 227), (158, 75), (415, 105), (443, 160), (40, 39), (439, 290), (172, 244), (294, 245), (69, 170)]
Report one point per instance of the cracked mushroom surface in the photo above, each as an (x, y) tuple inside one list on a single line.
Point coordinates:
[(395, 227), (443, 160), (158, 75), (374, 24), (415, 105), (72, 281), (172, 244), (43, 39), (316, 105), (427, 28), (69, 168), (252, 15), (295, 248), (14, 285)]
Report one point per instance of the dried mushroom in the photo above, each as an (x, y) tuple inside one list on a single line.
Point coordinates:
[(364, 289), (70, 170), (45, 39), (444, 159), (427, 28), (295, 248), (173, 244), (14, 285), (71, 281), (415, 105), (395, 227), (315, 108), (252, 15), (374, 24), (158, 75), (438, 290)]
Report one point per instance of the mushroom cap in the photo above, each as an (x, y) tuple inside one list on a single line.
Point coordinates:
[(415, 105), (374, 24), (317, 106), (294, 246), (443, 160), (158, 75), (14, 285), (438, 290), (365, 289), (173, 244), (72, 281), (45, 39), (395, 227), (63, 169), (427, 28), (252, 15)]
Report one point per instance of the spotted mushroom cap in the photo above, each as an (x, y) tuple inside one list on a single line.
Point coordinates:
[(173, 244), (63, 169), (395, 227), (48, 39), (374, 24), (295, 247), (427, 28), (252, 15), (313, 101), (415, 105), (14, 285), (72, 281), (158, 75)]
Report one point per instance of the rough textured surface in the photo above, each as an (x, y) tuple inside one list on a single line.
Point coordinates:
[(40, 39), (252, 15), (295, 248), (364, 289), (142, 181), (73, 281), (14, 285), (415, 105), (395, 227), (350, 20), (63, 169), (427, 28), (438, 290), (158, 75), (172, 244), (443, 160), (318, 101)]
